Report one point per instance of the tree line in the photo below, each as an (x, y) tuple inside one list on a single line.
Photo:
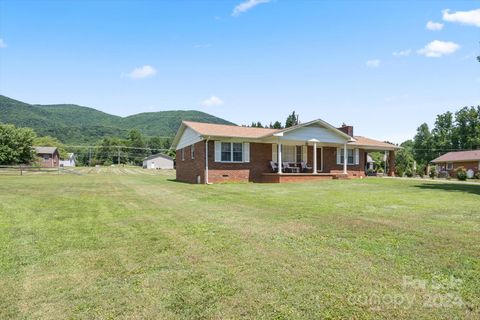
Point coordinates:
[(16, 147), (451, 132), (292, 120)]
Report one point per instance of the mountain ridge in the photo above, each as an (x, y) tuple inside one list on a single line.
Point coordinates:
[(75, 124)]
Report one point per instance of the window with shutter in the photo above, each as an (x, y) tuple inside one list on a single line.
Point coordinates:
[(350, 156), (218, 151), (246, 152), (232, 152)]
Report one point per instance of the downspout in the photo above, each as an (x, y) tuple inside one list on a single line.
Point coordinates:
[(206, 161)]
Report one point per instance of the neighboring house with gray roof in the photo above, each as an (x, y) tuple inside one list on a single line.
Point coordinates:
[(48, 157), (158, 161)]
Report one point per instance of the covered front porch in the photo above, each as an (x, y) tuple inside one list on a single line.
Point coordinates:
[(317, 152), (312, 157), (311, 152)]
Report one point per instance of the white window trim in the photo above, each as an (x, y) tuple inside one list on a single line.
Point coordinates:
[(231, 152), (192, 151), (340, 162)]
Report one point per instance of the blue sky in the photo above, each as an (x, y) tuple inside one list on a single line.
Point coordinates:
[(375, 65)]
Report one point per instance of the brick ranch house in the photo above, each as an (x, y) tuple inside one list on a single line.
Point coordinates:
[(213, 153), (451, 161)]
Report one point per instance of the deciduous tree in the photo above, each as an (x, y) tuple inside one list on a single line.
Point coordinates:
[(16, 145)]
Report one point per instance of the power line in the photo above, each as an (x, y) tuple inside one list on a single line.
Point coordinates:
[(114, 146)]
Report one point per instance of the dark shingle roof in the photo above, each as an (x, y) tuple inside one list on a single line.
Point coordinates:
[(45, 150)]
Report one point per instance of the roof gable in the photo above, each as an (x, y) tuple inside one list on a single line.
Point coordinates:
[(313, 131), (318, 122)]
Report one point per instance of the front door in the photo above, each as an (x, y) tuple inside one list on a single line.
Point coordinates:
[(319, 159)]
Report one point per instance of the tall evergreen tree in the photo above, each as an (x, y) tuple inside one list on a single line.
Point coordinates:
[(292, 120), (277, 125)]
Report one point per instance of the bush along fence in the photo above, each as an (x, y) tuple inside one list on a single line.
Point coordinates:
[(27, 169)]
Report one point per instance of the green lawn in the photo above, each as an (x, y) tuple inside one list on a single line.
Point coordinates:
[(134, 246)]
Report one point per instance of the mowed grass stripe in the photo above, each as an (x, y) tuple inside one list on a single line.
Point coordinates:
[(144, 246)]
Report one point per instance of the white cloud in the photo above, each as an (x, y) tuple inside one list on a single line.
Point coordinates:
[(247, 5), (402, 53), (434, 26), (471, 17), (437, 48), (3, 44), (374, 63), (142, 72), (212, 101)]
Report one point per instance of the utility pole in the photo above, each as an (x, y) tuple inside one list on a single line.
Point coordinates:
[(89, 157)]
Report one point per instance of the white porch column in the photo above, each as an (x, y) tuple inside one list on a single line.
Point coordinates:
[(314, 158), (279, 158), (345, 158)]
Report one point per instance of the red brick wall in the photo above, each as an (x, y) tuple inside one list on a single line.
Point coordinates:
[(189, 169), (330, 163), (467, 165), (260, 157)]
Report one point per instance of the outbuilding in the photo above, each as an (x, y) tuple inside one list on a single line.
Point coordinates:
[(48, 157), (158, 161)]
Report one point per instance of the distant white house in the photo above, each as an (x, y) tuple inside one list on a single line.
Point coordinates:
[(69, 161), (158, 161)]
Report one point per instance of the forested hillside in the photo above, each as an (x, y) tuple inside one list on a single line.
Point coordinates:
[(73, 124)]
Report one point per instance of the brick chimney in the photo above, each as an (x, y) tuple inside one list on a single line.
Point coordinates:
[(347, 129)]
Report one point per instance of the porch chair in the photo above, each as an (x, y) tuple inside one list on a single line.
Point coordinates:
[(286, 167), (274, 166), (305, 166)]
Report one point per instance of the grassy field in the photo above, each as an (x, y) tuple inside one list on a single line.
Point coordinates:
[(132, 244)]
